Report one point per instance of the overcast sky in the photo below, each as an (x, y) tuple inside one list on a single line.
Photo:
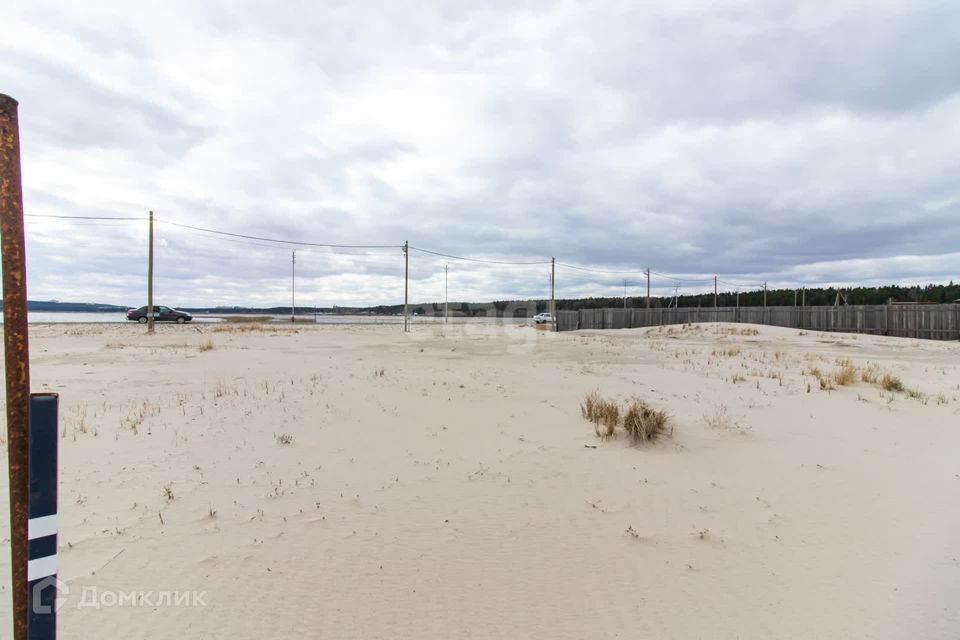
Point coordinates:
[(795, 143)]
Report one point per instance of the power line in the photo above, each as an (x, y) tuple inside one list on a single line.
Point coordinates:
[(282, 244), (741, 286), (279, 241), (446, 255), (84, 224), (675, 279), (249, 243), (40, 215), (308, 250), (591, 270)]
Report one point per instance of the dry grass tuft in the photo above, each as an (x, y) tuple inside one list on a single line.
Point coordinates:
[(284, 438), (890, 382), (729, 352), (916, 394), (239, 328), (588, 408), (721, 418), (247, 319), (206, 346), (847, 374), (870, 374), (601, 412), (736, 331), (644, 423)]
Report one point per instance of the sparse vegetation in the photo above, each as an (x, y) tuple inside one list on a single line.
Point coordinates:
[(284, 438), (206, 346), (168, 491), (847, 374), (890, 382), (644, 423), (601, 412), (728, 352), (721, 418), (870, 374), (916, 394), (639, 420), (239, 328), (248, 325), (736, 331)]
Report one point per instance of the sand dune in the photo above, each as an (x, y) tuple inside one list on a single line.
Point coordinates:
[(356, 482)]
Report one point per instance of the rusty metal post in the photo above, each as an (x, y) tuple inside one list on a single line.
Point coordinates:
[(16, 353)]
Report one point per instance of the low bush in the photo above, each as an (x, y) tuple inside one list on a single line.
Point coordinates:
[(643, 423)]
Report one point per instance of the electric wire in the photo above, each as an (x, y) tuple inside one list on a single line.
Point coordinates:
[(676, 279), (485, 261), (592, 270), (300, 243), (280, 243), (42, 215)]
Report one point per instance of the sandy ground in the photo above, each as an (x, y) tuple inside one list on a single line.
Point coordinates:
[(443, 484)]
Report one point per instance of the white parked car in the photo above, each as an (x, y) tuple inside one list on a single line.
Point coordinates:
[(541, 318)]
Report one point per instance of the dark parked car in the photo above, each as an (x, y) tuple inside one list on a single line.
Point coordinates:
[(160, 314)]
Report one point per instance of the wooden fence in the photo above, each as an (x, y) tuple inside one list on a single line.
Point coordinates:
[(936, 322)]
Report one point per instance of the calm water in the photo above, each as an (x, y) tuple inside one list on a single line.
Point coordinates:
[(58, 317)]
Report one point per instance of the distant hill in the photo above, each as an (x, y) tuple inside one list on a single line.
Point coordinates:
[(812, 297), (56, 305)]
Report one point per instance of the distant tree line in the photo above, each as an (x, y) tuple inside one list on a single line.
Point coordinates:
[(814, 297)]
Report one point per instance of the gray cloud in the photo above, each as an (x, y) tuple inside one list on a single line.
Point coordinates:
[(792, 144)]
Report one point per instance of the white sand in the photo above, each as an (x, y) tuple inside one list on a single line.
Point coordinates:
[(454, 496)]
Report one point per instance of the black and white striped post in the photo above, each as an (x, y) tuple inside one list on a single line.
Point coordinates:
[(42, 583)]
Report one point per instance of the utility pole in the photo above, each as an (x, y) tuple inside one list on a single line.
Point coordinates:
[(406, 285), (553, 291), (764, 303), (715, 305), (648, 288), (150, 280), (293, 286), (16, 357), (446, 292)]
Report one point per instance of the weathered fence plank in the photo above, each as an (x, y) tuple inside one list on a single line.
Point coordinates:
[(935, 321)]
